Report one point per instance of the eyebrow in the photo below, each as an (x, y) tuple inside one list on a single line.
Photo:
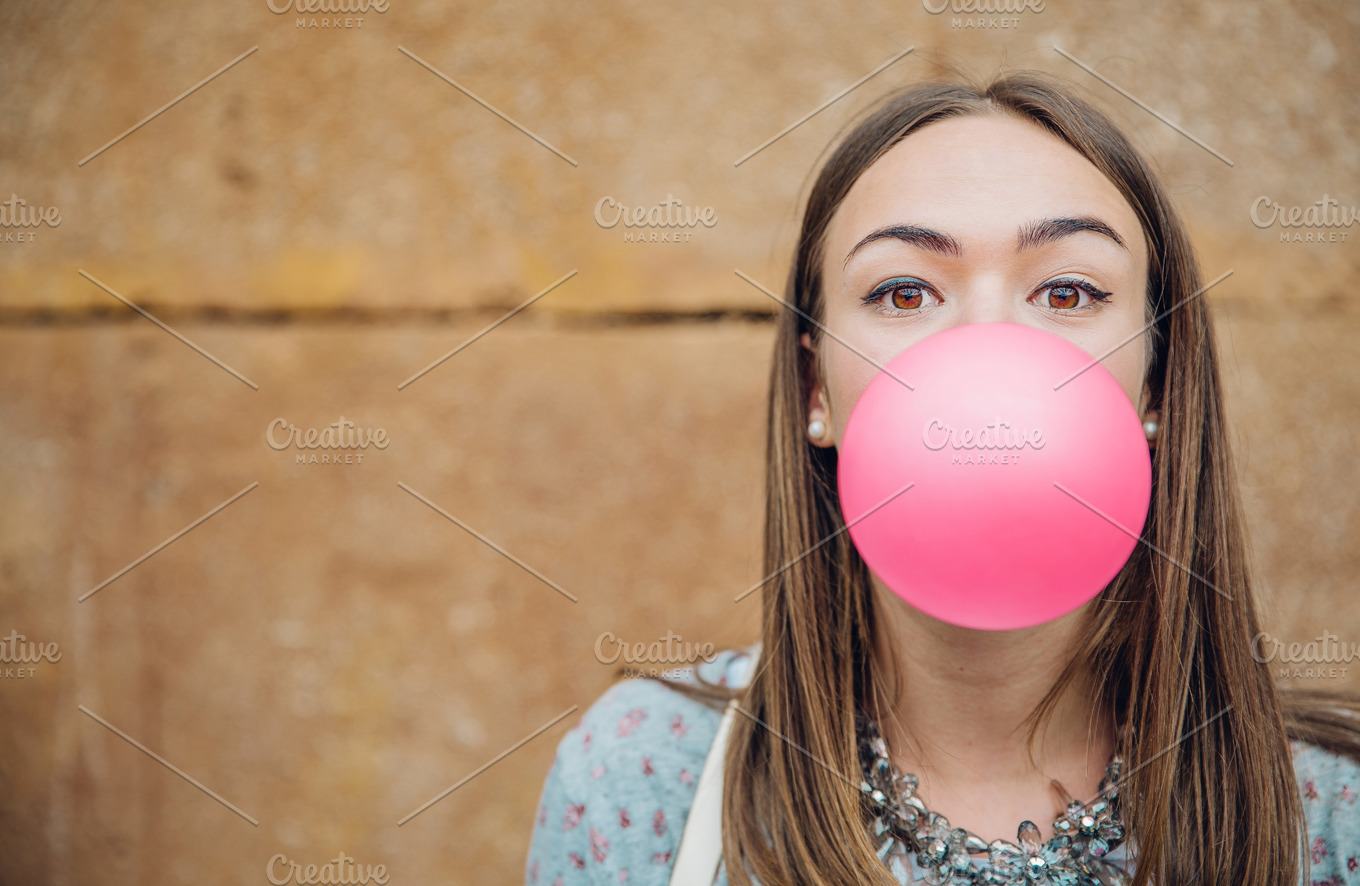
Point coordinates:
[(1031, 236)]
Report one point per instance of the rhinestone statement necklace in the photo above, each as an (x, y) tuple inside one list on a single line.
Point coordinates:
[(1074, 856)]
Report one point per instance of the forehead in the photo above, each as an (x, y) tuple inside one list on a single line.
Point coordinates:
[(979, 178)]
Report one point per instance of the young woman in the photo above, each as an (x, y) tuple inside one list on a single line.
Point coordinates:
[(1135, 740)]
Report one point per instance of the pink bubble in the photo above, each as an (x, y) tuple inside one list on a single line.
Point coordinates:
[(1024, 501)]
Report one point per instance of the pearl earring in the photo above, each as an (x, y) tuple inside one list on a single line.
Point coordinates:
[(1151, 429), (816, 429)]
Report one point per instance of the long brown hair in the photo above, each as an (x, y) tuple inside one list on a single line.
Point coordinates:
[(1212, 797)]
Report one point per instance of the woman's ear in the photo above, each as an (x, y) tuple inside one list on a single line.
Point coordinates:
[(818, 429)]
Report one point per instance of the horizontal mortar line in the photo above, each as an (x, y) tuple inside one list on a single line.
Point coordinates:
[(92, 315), (99, 316)]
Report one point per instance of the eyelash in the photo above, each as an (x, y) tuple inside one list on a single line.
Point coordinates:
[(1097, 296)]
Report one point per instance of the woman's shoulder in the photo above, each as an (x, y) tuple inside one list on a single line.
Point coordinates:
[(624, 777), (648, 721), (1329, 784)]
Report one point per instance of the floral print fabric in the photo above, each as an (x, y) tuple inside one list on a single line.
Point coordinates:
[(614, 804)]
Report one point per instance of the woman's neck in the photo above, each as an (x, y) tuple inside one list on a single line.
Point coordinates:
[(959, 717)]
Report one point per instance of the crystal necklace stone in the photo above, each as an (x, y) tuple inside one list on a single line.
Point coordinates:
[(1074, 856)]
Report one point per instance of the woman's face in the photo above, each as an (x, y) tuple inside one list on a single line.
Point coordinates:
[(980, 219)]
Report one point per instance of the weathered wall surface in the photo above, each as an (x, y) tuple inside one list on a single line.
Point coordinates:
[(328, 216)]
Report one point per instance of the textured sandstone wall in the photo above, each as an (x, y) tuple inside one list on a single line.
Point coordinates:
[(328, 216)]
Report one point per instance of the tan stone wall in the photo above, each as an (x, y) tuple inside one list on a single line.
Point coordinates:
[(328, 216)]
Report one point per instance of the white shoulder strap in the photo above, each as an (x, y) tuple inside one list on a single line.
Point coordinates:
[(696, 861)]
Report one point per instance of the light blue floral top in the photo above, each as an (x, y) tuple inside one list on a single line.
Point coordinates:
[(614, 804)]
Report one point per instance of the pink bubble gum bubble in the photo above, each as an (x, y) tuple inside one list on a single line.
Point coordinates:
[(1019, 490)]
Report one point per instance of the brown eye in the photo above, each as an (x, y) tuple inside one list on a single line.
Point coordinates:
[(1063, 296), (907, 297), (901, 297)]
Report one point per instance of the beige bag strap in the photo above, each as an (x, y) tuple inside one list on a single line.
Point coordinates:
[(696, 861)]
